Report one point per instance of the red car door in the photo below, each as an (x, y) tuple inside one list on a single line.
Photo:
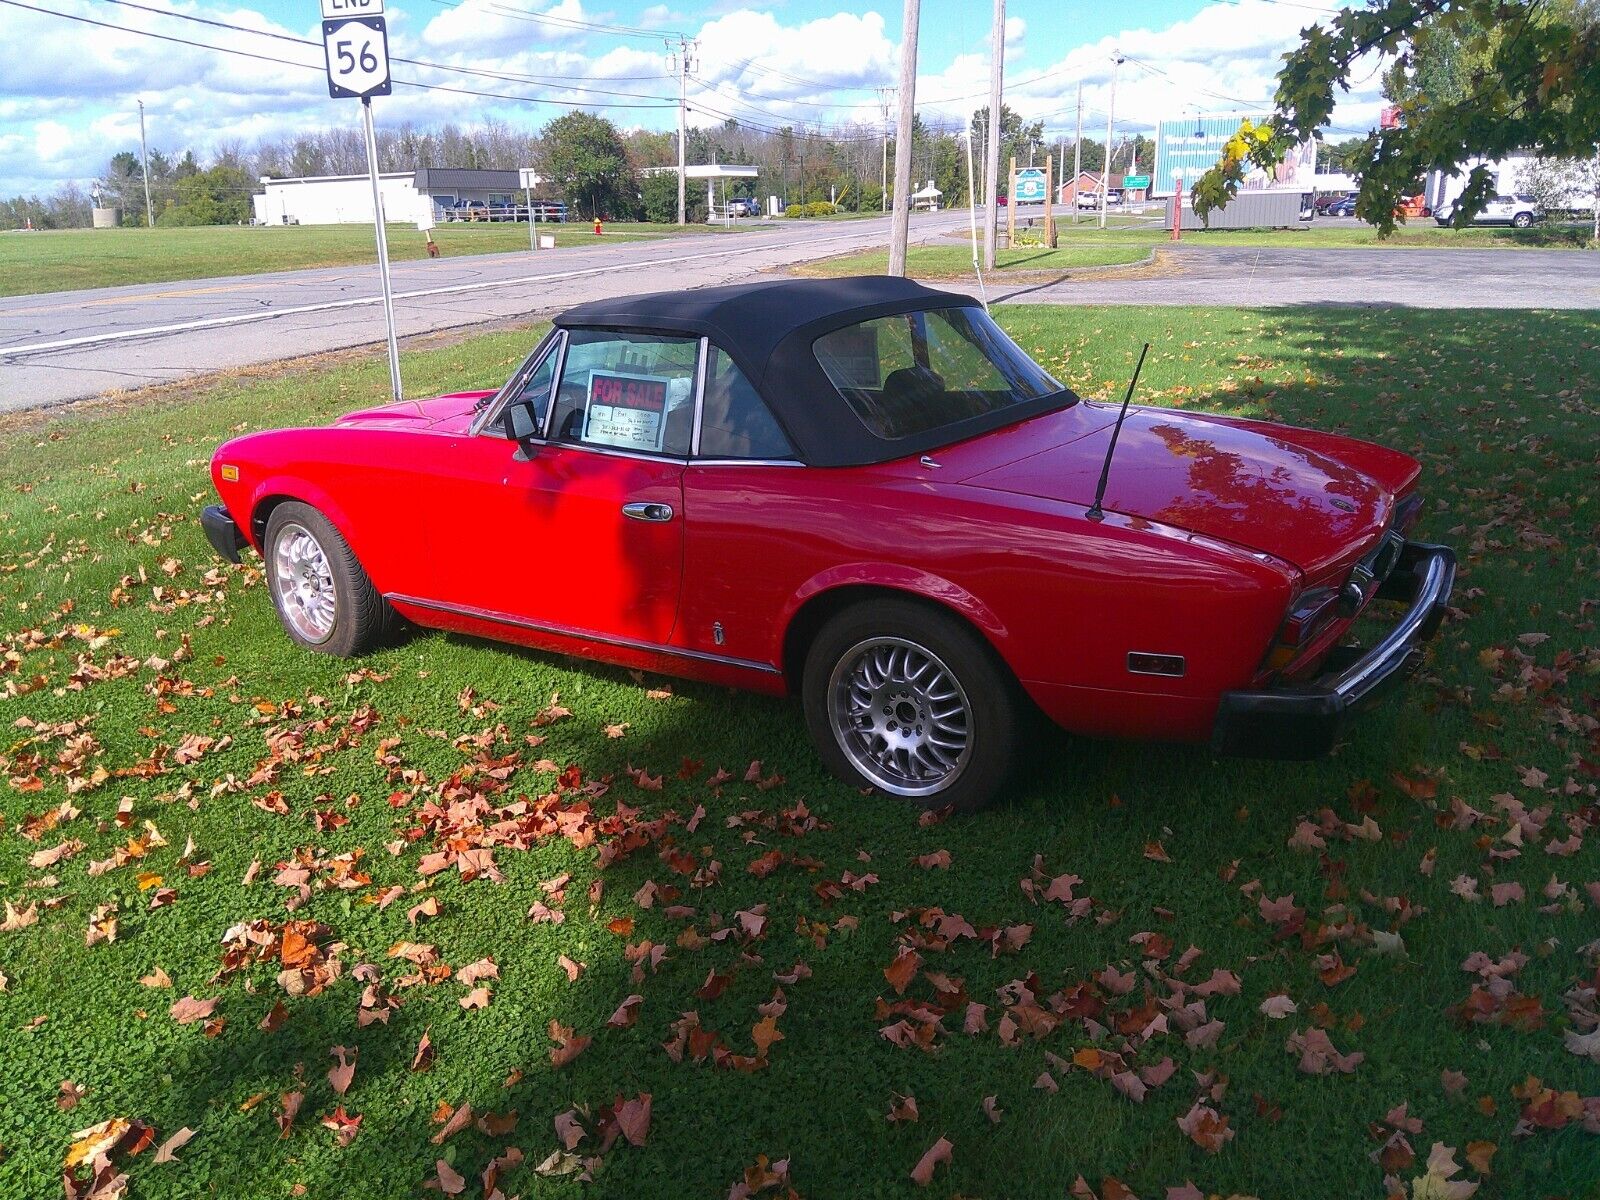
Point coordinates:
[(585, 535)]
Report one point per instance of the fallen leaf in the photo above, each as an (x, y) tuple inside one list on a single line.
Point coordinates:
[(168, 1150), (940, 1152)]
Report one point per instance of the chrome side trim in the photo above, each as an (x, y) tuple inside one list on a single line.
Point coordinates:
[(746, 462), (699, 394), (581, 635)]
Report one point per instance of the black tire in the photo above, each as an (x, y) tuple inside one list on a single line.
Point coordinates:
[(362, 618), (1522, 220), (993, 707)]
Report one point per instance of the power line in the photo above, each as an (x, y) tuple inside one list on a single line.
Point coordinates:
[(429, 87), (505, 76)]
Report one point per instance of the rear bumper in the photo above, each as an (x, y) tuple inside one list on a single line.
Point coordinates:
[(1299, 721), (222, 531)]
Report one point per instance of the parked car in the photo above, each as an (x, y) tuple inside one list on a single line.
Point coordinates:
[(744, 206), (1519, 211), (1325, 202), (1343, 207), (860, 491)]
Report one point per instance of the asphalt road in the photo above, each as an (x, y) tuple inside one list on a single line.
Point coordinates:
[(63, 346), (1272, 276)]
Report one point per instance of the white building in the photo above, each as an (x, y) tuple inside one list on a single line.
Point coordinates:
[(407, 195), (716, 176)]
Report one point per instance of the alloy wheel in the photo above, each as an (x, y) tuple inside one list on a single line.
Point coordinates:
[(306, 595), (901, 716)]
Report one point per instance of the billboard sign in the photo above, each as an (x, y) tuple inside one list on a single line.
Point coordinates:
[(1192, 146)]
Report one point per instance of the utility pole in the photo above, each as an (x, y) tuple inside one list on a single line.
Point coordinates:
[(991, 149), (144, 156), (900, 229), (1077, 155), (883, 182), (1111, 116), (682, 64)]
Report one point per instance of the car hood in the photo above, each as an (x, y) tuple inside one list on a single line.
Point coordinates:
[(1241, 485), (451, 413)]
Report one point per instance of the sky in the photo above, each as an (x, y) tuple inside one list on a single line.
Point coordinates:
[(70, 101)]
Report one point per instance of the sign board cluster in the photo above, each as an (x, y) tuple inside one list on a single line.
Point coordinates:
[(355, 43)]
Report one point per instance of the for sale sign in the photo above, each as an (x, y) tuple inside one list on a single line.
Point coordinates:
[(626, 411)]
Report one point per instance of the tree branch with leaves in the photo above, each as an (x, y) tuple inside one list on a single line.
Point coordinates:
[(1529, 80)]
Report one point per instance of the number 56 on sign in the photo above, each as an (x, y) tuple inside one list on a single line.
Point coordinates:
[(357, 50)]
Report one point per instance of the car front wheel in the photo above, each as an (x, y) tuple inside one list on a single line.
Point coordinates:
[(323, 597), (909, 700)]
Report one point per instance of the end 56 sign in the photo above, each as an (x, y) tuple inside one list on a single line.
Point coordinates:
[(356, 45)]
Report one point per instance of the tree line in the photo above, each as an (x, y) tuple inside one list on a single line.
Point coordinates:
[(590, 163)]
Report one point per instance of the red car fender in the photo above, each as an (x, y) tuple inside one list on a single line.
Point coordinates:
[(911, 580)]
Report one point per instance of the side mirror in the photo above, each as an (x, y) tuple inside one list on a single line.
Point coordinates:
[(523, 426)]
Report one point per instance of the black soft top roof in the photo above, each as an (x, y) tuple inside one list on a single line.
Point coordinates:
[(768, 328)]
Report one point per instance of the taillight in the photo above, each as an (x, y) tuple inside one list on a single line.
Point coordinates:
[(1312, 611)]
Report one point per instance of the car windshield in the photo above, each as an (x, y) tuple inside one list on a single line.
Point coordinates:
[(916, 372)]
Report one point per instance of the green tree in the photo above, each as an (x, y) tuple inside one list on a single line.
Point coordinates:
[(1017, 139), (659, 194), (220, 196), (1475, 78), (585, 154)]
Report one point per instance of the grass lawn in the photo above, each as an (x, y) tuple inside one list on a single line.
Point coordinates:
[(70, 259), (174, 768), (950, 261)]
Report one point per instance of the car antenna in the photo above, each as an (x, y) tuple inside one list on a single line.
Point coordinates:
[(1096, 513)]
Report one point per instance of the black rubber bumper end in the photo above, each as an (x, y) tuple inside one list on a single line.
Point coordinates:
[(222, 532)]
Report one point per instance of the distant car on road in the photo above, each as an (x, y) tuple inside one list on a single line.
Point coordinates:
[(1518, 211), (744, 206)]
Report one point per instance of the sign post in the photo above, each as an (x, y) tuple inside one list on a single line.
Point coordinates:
[(355, 43), (530, 180)]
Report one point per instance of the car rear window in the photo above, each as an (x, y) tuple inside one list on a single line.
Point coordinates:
[(916, 372)]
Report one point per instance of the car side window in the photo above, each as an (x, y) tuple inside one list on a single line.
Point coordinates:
[(735, 421), (627, 391)]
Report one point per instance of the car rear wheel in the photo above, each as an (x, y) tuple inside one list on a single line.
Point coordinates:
[(1522, 220), (908, 700), (323, 597)]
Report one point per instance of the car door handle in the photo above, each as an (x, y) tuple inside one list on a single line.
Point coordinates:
[(643, 510)]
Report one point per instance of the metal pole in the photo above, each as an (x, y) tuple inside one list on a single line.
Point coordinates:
[(1111, 116), (1077, 155), (683, 109), (533, 239), (900, 224), (144, 155), (991, 150), (972, 220), (383, 246)]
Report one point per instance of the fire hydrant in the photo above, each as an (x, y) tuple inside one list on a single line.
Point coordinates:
[(597, 230)]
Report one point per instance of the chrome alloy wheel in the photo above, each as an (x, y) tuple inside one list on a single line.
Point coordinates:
[(306, 596), (900, 716)]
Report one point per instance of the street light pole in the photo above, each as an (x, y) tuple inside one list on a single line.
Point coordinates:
[(1111, 116), (1077, 155), (144, 156), (991, 149), (682, 66), (900, 227)]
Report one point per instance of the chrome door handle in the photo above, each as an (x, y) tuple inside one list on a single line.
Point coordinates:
[(642, 510)]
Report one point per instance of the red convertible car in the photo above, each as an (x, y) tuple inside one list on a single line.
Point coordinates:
[(863, 492)]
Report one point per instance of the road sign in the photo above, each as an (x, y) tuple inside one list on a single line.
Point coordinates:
[(357, 52), (338, 10), (1030, 186), (527, 177), (1135, 182)]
